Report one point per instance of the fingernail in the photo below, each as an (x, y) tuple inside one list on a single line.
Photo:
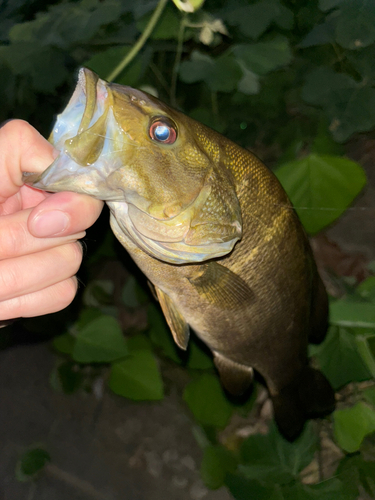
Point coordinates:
[(51, 223)]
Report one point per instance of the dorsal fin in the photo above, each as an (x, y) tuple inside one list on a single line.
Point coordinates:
[(176, 322)]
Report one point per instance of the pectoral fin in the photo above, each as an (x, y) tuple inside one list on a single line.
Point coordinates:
[(221, 287), (236, 378), (177, 324)]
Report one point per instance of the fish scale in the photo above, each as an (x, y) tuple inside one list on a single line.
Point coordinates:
[(242, 276)]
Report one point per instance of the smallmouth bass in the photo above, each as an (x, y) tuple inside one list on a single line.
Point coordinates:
[(211, 228)]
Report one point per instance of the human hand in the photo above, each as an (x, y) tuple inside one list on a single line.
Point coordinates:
[(39, 252)]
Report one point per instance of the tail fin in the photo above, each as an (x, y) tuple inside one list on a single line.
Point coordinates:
[(311, 396)]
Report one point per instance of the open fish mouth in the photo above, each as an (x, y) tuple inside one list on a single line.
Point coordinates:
[(85, 135)]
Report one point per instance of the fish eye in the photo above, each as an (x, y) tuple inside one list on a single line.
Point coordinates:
[(163, 131)]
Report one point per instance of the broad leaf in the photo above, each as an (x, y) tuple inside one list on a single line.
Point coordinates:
[(321, 187), (253, 20), (271, 458), (349, 105), (354, 472), (248, 489), (217, 462), (67, 377), (339, 358), (348, 313), (100, 341), (221, 74), (356, 24), (64, 343), (137, 377), (206, 399), (104, 63), (369, 395), (351, 425), (31, 463), (263, 57)]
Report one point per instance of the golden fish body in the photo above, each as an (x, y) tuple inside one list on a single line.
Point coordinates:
[(211, 228)]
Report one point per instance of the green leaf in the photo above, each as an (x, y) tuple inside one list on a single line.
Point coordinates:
[(362, 61), (100, 341), (354, 471), (356, 24), (351, 425), (248, 489), (330, 489), (207, 117), (321, 33), (104, 62), (365, 343), (321, 187), (329, 4), (160, 334), (87, 315), (64, 343), (221, 74), (263, 57), (347, 313), (137, 377), (369, 395), (129, 293), (67, 23), (349, 105), (271, 458), (31, 463), (206, 400), (253, 20), (216, 463), (45, 65), (366, 289), (199, 357), (339, 358), (324, 85), (168, 26), (139, 342), (67, 377)]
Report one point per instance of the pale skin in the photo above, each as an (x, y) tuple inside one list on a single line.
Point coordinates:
[(39, 232)]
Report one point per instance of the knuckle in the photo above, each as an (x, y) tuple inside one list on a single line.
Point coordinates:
[(64, 293), (10, 279), (13, 240)]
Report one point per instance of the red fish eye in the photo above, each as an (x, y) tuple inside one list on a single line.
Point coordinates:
[(163, 132)]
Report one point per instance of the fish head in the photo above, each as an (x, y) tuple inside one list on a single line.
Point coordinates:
[(158, 170)]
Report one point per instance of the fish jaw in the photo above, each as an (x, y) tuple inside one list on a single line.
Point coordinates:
[(87, 137)]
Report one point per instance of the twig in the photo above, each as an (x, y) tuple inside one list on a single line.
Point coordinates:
[(140, 42)]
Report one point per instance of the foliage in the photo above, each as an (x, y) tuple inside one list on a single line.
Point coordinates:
[(31, 463), (292, 78)]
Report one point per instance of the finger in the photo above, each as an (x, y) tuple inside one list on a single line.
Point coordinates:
[(22, 149), (30, 273), (16, 239), (64, 214), (27, 197), (46, 301)]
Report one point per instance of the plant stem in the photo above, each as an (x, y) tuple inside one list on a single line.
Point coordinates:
[(140, 42), (177, 60)]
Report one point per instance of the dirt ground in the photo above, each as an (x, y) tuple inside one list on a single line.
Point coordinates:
[(109, 448)]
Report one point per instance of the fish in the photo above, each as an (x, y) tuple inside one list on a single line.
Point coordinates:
[(213, 231)]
